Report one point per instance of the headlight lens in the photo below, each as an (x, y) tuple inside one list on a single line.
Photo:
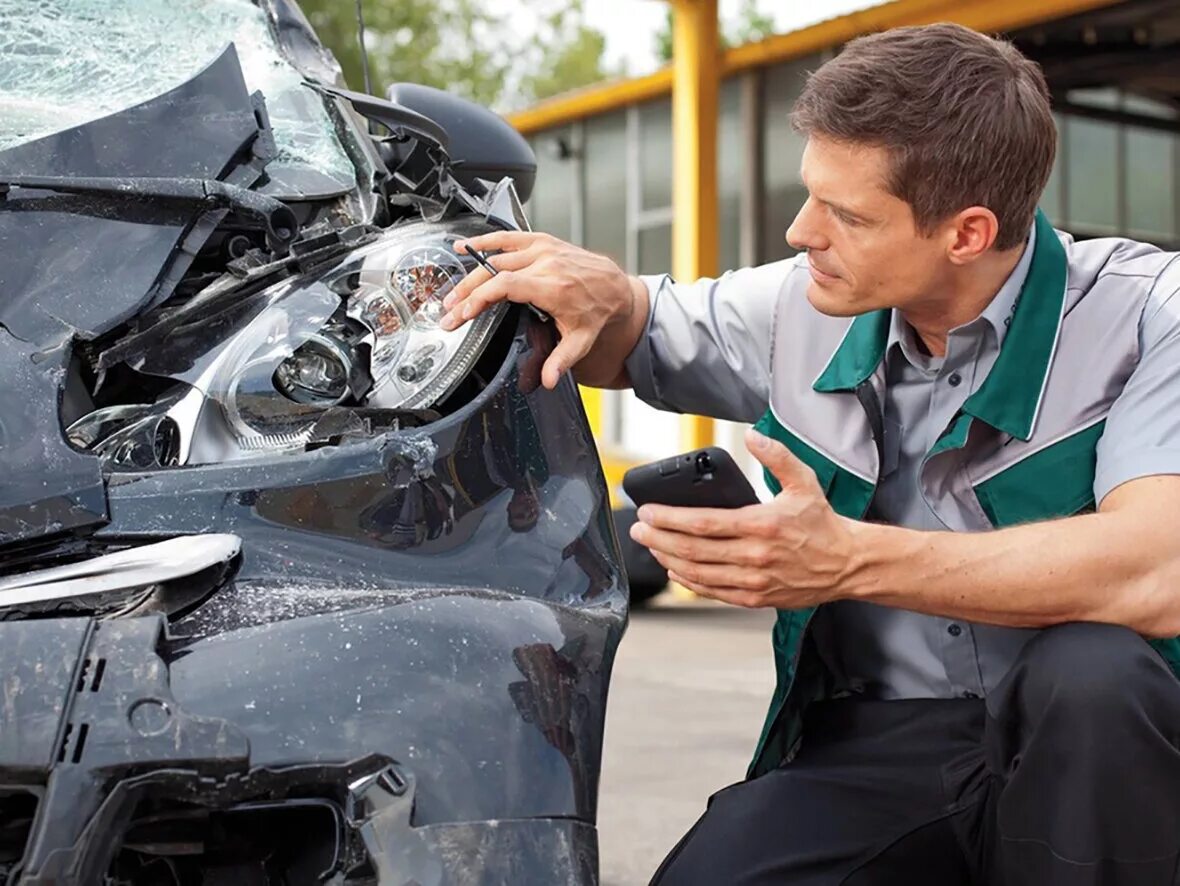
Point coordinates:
[(363, 333), (414, 362)]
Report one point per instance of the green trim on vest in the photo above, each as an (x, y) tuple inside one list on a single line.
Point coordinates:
[(850, 496), (1057, 481), (1169, 651), (1010, 395), (858, 354), (955, 437)]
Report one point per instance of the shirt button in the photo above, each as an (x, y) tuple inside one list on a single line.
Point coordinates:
[(954, 630), (954, 380)]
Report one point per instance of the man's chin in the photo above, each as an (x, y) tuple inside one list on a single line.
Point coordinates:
[(834, 301)]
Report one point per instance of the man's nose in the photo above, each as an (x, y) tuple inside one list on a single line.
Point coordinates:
[(804, 232)]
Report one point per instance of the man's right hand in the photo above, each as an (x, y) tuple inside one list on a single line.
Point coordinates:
[(600, 312)]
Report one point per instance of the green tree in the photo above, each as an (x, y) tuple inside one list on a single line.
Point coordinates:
[(565, 53), (749, 26), (443, 43), (463, 47)]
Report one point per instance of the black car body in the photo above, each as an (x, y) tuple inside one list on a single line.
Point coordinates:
[(293, 587)]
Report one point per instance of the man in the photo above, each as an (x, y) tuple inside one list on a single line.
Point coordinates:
[(954, 705)]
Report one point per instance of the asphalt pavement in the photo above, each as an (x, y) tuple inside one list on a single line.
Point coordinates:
[(690, 687)]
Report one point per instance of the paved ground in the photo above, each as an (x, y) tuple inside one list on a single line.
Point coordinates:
[(690, 687)]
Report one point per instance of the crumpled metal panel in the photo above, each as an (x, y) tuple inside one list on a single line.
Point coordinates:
[(450, 597), (85, 264), (47, 487)]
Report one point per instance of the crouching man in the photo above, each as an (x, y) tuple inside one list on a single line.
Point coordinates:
[(972, 427)]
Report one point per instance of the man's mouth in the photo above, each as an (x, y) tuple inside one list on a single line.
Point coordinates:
[(820, 275)]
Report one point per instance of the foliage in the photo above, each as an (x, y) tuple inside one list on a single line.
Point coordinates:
[(566, 53), (464, 47), (750, 26)]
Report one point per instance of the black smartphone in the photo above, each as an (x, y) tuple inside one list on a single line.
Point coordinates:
[(703, 478)]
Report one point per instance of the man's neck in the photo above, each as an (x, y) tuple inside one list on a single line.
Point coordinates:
[(966, 295)]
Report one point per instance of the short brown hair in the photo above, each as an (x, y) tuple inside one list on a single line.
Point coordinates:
[(965, 117)]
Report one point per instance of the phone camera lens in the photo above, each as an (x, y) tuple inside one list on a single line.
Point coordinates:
[(704, 463)]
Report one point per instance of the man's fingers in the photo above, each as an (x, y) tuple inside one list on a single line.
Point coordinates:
[(714, 575), (780, 461), (474, 279), (732, 596), (507, 286), (506, 241), (707, 522), (741, 552), (501, 261), (569, 352)]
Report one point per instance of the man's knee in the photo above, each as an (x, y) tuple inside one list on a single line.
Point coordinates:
[(1086, 670)]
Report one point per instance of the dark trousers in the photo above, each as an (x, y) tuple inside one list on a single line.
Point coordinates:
[(1068, 775)]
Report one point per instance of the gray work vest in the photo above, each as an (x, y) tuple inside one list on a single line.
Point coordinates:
[(1021, 449)]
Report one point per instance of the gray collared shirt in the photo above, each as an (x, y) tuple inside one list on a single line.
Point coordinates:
[(894, 653)]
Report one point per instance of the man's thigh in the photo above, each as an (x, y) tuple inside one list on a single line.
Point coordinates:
[(870, 799)]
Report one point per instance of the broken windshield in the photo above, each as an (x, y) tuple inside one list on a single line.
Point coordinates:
[(67, 62)]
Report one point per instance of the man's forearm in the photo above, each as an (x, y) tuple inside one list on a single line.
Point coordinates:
[(1110, 567)]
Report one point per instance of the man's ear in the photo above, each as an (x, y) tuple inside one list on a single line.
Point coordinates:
[(971, 233)]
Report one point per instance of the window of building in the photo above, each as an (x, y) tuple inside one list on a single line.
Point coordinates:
[(655, 154), (1151, 184), (655, 249), (605, 182), (1092, 176), (783, 193), (549, 206), (731, 173), (1051, 197)]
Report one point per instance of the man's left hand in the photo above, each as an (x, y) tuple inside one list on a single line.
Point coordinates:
[(792, 552)]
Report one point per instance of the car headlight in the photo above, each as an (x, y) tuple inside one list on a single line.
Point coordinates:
[(292, 360), (363, 333)]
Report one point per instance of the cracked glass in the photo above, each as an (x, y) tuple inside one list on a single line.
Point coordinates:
[(64, 63)]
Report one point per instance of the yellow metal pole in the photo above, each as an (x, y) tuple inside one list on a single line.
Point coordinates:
[(592, 403), (696, 64)]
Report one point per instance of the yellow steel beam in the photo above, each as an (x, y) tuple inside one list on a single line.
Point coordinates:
[(985, 15), (591, 100), (990, 16), (695, 53)]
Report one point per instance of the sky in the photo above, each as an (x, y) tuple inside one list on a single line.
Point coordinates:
[(630, 26)]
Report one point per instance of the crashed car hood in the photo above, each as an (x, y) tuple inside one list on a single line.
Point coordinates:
[(67, 67), (77, 266)]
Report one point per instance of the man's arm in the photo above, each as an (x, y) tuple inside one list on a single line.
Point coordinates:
[(1120, 565)]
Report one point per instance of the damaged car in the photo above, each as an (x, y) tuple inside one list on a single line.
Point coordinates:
[(295, 586)]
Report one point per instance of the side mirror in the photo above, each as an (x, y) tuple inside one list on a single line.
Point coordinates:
[(481, 143)]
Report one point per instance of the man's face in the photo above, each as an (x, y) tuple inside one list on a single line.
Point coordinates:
[(863, 248)]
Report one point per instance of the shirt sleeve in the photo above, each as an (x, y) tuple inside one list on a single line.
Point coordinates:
[(1142, 434), (706, 350)]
